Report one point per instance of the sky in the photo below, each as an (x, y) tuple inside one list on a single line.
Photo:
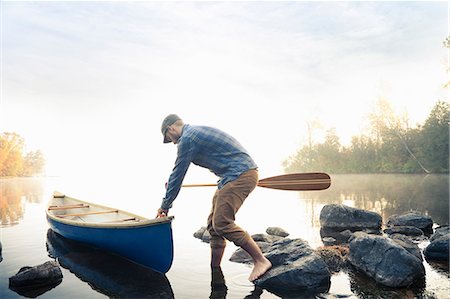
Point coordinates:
[(88, 83)]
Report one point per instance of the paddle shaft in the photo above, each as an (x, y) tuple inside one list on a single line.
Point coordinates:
[(292, 181)]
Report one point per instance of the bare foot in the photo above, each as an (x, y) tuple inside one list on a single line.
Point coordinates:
[(259, 269)]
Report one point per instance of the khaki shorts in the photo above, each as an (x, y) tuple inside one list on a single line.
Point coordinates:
[(225, 204)]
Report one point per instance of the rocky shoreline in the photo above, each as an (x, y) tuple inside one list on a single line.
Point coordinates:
[(354, 242)]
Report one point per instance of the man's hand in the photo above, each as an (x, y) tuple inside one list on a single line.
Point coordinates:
[(161, 213)]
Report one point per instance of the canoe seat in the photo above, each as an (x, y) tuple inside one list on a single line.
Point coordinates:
[(67, 207), (122, 220), (85, 214)]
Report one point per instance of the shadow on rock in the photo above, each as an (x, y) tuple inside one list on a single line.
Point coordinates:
[(107, 273)]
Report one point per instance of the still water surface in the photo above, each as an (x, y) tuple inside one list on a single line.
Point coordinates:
[(89, 273)]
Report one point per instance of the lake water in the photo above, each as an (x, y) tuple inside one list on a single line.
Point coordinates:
[(89, 273)]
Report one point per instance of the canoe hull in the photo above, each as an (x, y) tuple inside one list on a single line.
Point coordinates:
[(148, 245)]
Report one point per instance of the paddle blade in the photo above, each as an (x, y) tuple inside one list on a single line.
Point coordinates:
[(297, 181)]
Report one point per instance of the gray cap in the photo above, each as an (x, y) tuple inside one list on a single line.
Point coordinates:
[(168, 121)]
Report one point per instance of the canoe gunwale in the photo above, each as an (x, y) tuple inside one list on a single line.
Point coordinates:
[(143, 222)]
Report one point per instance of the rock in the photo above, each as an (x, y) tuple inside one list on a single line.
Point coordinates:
[(330, 234), (408, 244), (404, 230), (438, 249), (384, 260), (439, 232), (416, 219), (341, 217), (199, 234), (206, 237), (266, 238), (295, 267), (241, 256), (329, 241), (1, 258), (33, 281), (277, 231)]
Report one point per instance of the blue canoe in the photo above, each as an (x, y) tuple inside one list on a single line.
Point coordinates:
[(147, 242)]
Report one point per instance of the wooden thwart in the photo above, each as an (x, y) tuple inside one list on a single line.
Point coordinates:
[(85, 214), (66, 207), (122, 220)]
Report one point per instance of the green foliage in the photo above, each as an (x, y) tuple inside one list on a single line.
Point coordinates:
[(391, 146), (13, 160)]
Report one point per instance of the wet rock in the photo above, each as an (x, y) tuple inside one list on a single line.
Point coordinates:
[(34, 281), (404, 230), (277, 231), (340, 217), (1, 258), (295, 267), (438, 249), (416, 219), (408, 244), (384, 260)]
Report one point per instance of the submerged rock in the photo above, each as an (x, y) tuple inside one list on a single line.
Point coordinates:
[(416, 219), (295, 267), (340, 217), (384, 260), (34, 281)]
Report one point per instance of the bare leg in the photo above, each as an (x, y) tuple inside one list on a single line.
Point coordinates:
[(216, 256), (260, 263)]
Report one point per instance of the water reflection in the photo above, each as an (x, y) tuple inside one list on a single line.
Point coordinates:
[(365, 287), (14, 193), (107, 273), (387, 194), (218, 287)]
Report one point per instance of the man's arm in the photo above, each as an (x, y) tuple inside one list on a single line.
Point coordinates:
[(185, 156)]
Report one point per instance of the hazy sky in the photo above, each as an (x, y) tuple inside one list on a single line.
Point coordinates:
[(89, 83)]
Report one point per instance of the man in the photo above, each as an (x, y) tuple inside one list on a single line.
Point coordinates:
[(223, 155)]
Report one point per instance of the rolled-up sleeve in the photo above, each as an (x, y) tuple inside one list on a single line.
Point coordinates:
[(185, 156)]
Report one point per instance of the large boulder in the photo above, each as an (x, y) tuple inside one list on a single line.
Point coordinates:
[(438, 249), (340, 217), (296, 267), (384, 260), (34, 281), (416, 219)]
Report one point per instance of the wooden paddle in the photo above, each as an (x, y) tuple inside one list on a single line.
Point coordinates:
[(292, 181)]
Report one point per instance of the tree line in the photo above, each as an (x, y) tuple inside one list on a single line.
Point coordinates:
[(14, 161), (390, 146)]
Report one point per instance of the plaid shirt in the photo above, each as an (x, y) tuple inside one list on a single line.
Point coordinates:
[(210, 148)]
